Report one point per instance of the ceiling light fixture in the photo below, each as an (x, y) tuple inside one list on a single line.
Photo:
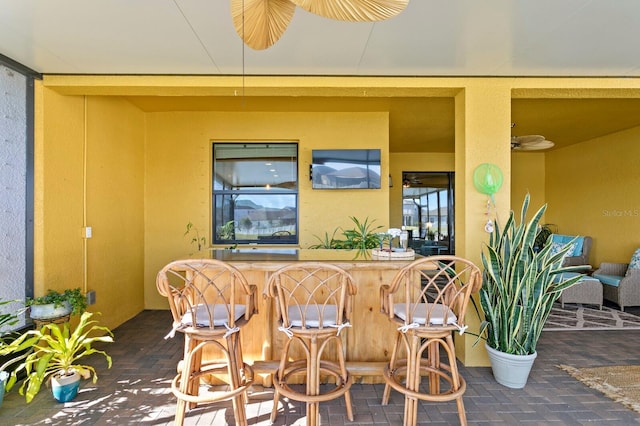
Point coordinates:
[(267, 20)]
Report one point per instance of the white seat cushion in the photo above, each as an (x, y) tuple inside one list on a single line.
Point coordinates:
[(436, 311), (220, 315), (312, 317)]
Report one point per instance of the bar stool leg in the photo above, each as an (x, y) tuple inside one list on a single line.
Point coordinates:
[(313, 382), (392, 366), (186, 384), (234, 366), (455, 377), (412, 380)]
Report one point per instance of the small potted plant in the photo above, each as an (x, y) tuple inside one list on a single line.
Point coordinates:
[(55, 351), (55, 304)]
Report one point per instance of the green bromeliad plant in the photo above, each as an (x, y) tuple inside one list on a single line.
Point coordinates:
[(520, 285)]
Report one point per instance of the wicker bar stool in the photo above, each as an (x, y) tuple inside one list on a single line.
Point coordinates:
[(313, 302), (210, 302), (427, 300)]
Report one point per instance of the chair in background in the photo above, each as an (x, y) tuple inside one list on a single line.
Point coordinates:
[(313, 302), (427, 300), (621, 281), (210, 302), (577, 256)]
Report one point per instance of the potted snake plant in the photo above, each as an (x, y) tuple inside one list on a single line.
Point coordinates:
[(519, 286)]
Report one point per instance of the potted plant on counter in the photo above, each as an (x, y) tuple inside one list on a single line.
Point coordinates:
[(56, 304), (518, 290), (56, 350)]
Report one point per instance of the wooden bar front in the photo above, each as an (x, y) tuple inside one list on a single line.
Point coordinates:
[(368, 342)]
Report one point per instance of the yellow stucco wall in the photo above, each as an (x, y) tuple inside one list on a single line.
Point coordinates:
[(528, 176), (89, 172), (58, 198), (178, 175), (115, 207), (592, 190)]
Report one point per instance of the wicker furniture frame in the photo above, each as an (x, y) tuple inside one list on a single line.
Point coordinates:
[(313, 304), (210, 302), (627, 293), (587, 291), (421, 300)]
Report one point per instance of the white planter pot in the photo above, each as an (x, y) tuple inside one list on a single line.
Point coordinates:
[(510, 370), (49, 311)]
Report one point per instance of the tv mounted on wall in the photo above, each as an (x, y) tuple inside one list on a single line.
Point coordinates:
[(345, 169)]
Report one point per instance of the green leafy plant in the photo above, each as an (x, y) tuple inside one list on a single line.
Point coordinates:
[(194, 233), (8, 318), (57, 350), (227, 231), (362, 237), (325, 242), (520, 285), (76, 299), (542, 236)]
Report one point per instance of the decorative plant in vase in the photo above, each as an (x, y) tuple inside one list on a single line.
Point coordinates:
[(55, 353), (518, 290)]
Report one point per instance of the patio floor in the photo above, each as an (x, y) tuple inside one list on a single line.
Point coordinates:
[(135, 390)]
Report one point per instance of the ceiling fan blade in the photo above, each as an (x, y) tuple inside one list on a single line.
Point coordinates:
[(262, 22), (354, 10), (529, 139)]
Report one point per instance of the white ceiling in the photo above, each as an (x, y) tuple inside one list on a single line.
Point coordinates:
[(430, 38)]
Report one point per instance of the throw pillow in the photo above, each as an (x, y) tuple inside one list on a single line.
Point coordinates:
[(556, 247), (635, 262)]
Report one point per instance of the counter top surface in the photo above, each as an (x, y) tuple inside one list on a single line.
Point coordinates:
[(294, 255)]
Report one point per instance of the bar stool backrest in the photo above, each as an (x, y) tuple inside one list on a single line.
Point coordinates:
[(432, 292), (312, 295), (206, 294)]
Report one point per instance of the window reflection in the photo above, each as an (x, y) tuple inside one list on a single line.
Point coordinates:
[(255, 193)]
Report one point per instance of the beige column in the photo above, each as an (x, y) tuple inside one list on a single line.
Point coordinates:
[(483, 120)]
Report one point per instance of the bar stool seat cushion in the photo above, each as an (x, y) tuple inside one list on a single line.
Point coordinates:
[(220, 315), (312, 316), (436, 313)]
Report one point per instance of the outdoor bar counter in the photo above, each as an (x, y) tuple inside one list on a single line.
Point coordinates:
[(368, 342)]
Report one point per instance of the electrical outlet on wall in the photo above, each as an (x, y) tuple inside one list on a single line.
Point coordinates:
[(91, 297)]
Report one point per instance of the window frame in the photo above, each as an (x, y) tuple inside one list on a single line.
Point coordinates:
[(219, 195)]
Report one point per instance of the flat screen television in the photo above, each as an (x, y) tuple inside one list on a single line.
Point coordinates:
[(345, 169)]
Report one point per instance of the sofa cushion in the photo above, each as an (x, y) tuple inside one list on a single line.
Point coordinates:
[(612, 280), (635, 262)]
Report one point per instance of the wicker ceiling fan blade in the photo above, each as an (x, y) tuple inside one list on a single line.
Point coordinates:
[(262, 22), (530, 143), (354, 10)]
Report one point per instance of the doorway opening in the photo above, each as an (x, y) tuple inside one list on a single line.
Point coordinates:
[(428, 211)]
